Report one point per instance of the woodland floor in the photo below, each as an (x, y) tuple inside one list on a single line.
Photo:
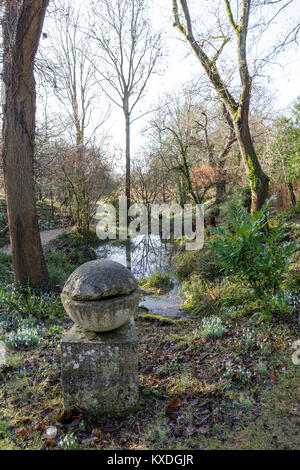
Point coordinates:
[(240, 391), (189, 397)]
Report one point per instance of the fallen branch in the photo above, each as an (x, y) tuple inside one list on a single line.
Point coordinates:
[(4, 231)]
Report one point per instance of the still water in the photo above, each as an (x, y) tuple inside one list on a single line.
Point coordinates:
[(143, 255)]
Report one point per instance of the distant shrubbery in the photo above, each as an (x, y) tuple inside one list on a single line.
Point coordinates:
[(198, 262)]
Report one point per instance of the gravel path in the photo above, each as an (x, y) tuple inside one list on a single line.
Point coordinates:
[(47, 236)]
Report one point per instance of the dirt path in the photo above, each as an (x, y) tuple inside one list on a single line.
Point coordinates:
[(47, 236)]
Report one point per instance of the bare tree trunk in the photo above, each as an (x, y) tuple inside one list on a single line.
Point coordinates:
[(128, 163), (126, 67), (220, 191), (22, 27)]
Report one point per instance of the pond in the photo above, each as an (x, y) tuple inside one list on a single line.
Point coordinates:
[(142, 256)]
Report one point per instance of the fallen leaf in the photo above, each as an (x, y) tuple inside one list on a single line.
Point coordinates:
[(256, 411), (6, 369), (273, 379), (41, 426), (277, 344), (172, 408), (69, 416), (50, 443), (46, 411), (110, 429), (173, 405), (23, 432), (89, 440)]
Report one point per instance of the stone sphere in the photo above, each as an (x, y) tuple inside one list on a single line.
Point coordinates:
[(101, 295)]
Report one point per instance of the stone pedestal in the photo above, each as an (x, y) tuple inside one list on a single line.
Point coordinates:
[(100, 370)]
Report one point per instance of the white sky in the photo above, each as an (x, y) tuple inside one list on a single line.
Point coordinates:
[(182, 66)]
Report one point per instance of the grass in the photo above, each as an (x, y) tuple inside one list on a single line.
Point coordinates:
[(275, 427), (4, 240), (60, 266), (6, 271), (157, 280)]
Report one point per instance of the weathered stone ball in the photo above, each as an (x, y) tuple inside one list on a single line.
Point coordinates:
[(101, 295)]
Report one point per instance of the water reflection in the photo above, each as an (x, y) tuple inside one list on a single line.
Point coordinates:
[(142, 255)]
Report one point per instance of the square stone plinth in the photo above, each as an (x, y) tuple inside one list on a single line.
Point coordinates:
[(100, 370)]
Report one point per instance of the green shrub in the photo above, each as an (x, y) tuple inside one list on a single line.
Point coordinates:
[(278, 304), (4, 240), (3, 221), (292, 211), (245, 196), (236, 295), (252, 250), (242, 196), (61, 265)]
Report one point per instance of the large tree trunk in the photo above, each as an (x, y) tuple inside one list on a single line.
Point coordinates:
[(221, 159), (258, 180), (22, 25)]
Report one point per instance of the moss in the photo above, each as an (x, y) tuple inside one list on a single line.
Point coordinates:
[(160, 319), (252, 176)]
